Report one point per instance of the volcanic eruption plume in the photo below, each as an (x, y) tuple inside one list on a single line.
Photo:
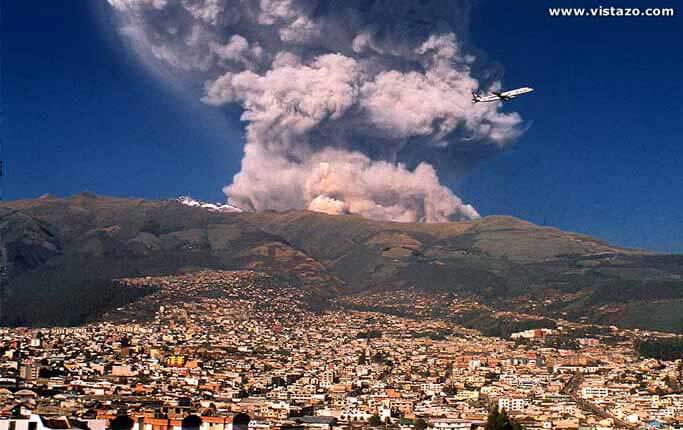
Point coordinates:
[(347, 103)]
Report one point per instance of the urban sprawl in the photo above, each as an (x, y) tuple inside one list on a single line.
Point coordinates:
[(245, 350)]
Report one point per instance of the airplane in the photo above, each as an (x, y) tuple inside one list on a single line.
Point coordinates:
[(497, 96)]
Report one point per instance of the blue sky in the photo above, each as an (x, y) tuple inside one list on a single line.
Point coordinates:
[(602, 155)]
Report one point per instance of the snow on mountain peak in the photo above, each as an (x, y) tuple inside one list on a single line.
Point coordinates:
[(214, 207)]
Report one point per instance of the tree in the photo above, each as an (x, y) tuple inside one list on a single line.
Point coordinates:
[(378, 357), (499, 420), (420, 424), (375, 421), (370, 334), (661, 348), (122, 422), (495, 420), (449, 390)]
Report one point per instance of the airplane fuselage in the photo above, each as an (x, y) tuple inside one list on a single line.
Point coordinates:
[(501, 96)]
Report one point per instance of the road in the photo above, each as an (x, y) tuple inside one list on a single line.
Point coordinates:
[(572, 389)]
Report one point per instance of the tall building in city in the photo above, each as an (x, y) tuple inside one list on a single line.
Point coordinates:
[(29, 371)]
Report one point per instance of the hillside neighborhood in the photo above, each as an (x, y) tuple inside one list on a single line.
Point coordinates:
[(242, 349)]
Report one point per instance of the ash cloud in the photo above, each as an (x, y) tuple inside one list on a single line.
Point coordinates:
[(343, 101)]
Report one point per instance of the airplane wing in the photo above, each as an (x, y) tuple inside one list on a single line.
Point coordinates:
[(485, 99), (504, 96)]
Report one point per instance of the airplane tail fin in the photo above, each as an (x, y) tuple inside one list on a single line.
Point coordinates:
[(475, 97)]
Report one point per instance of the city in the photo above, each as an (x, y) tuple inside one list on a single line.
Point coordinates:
[(244, 347)]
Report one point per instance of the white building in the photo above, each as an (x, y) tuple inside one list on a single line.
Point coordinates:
[(513, 403), (451, 424), (35, 422), (594, 392)]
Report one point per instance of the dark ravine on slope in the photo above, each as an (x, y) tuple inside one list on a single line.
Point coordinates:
[(65, 252)]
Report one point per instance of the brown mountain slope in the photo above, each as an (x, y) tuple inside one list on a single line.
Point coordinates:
[(64, 252), (501, 260)]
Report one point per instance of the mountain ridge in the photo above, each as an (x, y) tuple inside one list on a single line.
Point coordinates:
[(500, 258)]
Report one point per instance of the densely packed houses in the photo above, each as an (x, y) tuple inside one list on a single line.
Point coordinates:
[(244, 349)]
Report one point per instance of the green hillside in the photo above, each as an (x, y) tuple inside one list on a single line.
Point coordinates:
[(64, 252)]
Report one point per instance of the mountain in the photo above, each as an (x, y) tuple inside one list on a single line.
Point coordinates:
[(65, 252)]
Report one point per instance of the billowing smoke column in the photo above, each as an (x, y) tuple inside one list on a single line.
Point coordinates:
[(344, 99)]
